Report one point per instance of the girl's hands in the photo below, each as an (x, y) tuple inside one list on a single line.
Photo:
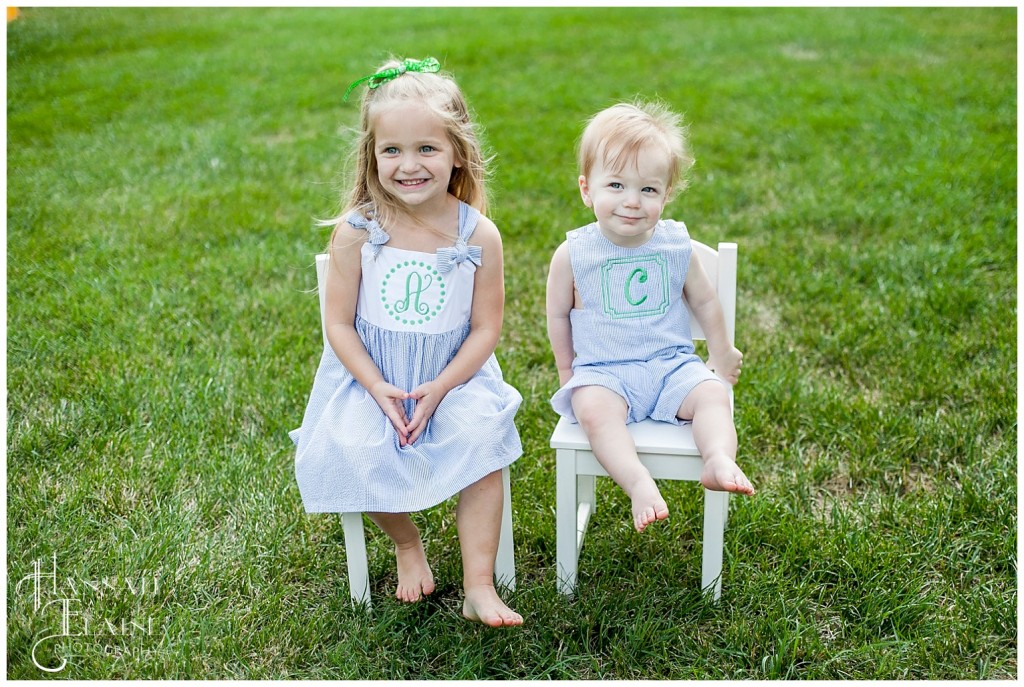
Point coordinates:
[(427, 397), (390, 399), (727, 364)]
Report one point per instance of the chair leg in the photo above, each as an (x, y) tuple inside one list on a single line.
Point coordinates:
[(355, 554), (566, 544), (586, 491), (716, 510), (505, 562)]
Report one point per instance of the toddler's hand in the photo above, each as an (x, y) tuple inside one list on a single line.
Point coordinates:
[(390, 398), (427, 397), (727, 364)]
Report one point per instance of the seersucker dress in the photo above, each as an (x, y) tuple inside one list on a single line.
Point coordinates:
[(412, 314)]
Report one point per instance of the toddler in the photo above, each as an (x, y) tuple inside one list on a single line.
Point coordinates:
[(617, 321)]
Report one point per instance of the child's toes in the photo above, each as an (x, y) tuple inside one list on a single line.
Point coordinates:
[(643, 518)]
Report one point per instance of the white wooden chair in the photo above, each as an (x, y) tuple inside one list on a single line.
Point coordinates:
[(666, 450), (352, 523)]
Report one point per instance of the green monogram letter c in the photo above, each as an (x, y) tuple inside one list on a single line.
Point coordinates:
[(640, 275)]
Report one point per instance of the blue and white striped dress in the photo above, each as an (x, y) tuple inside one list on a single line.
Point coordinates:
[(632, 334), (412, 314)]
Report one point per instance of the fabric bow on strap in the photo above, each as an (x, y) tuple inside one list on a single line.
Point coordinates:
[(447, 258), (378, 237), (429, 64)]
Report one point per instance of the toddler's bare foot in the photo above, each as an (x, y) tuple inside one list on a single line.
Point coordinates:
[(483, 605), (648, 506), (723, 474), (414, 576)]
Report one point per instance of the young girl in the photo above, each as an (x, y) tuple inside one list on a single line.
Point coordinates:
[(408, 406), (616, 318)]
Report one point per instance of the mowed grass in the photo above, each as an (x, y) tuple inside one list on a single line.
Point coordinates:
[(165, 170)]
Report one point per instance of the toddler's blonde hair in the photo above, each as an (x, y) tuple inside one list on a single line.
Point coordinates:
[(616, 135)]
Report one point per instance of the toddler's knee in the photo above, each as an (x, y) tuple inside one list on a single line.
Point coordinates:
[(587, 415), (705, 396), (593, 416), (596, 406), (712, 393)]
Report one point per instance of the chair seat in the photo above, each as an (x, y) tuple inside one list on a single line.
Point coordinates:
[(665, 449)]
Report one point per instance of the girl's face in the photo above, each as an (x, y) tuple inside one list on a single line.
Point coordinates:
[(628, 202), (415, 158)]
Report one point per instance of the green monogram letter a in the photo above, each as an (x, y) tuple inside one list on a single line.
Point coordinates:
[(414, 286)]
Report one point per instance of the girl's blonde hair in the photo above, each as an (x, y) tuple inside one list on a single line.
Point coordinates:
[(616, 135), (442, 96)]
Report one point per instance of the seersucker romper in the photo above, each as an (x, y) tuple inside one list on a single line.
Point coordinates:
[(632, 334)]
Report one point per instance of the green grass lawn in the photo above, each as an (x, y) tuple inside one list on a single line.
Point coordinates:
[(165, 171)]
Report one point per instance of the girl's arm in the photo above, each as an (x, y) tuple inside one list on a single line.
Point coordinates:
[(559, 302), (340, 294), (700, 294), (485, 328)]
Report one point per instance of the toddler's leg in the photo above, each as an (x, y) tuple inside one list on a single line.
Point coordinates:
[(602, 414), (478, 519), (414, 576), (715, 435)]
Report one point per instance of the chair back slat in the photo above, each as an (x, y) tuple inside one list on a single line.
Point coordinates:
[(720, 267)]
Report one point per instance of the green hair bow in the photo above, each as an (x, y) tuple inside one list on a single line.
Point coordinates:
[(384, 75)]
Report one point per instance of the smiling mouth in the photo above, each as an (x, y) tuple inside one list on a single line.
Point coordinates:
[(411, 182)]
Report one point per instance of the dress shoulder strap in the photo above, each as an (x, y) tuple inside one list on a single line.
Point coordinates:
[(376, 238), (448, 257), (468, 217)]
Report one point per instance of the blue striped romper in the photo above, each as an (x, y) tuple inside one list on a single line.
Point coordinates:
[(632, 334), (412, 314)]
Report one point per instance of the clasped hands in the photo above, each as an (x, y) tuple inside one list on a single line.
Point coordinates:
[(391, 400)]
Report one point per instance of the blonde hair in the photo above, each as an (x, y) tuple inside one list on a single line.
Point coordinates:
[(442, 96), (616, 135)]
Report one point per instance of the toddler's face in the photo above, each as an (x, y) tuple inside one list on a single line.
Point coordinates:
[(628, 202)]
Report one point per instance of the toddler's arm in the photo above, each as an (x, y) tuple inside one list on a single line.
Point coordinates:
[(723, 357), (559, 302), (340, 294)]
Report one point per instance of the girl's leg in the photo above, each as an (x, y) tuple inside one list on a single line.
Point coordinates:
[(478, 519), (602, 414), (715, 435), (414, 576)]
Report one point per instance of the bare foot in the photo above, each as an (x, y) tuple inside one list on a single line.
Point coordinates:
[(723, 474), (483, 605), (414, 576), (648, 506)]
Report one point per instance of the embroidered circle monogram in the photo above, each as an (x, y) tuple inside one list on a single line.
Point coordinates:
[(413, 292)]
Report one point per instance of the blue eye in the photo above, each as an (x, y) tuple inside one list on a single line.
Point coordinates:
[(390, 150), (650, 189), (615, 185), (427, 149)]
